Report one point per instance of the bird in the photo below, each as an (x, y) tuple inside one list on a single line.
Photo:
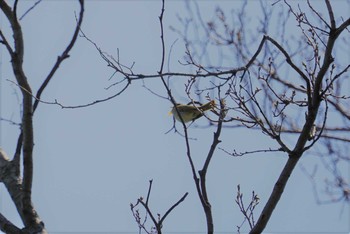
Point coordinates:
[(190, 112)]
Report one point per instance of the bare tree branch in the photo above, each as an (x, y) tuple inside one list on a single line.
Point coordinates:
[(248, 212), (30, 9), (29, 215), (297, 152), (8, 227), (157, 223), (21, 190), (62, 57)]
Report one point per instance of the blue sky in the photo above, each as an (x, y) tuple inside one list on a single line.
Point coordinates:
[(90, 163)]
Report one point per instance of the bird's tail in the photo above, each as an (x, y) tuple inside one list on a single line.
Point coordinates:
[(208, 106)]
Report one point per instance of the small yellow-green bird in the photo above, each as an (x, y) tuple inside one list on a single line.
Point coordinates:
[(190, 112)]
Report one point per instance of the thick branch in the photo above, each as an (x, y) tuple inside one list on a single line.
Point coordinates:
[(294, 156), (29, 215), (21, 192), (8, 227), (275, 195), (316, 96), (12, 182)]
